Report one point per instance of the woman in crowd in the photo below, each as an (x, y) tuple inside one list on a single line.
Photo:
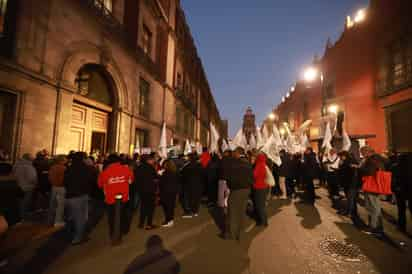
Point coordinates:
[(260, 190), (168, 191), (146, 179)]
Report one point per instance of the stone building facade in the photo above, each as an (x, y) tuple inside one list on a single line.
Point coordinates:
[(99, 75), (365, 75)]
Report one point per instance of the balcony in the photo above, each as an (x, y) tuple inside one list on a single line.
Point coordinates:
[(105, 16), (180, 94)]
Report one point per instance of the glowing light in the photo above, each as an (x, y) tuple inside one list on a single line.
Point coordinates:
[(287, 95), (349, 22), (283, 99), (292, 88), (360, 16), (272, 116), (282, 131), (333, 109), (310, 74)]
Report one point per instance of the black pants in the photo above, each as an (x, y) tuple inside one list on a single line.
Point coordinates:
[(212, 191), (333, 184), (168, 201), (310, 189), (259, 198), (147, 208), (192, 195), (236, 211), (401, 203), (124, 218), (290, 186)]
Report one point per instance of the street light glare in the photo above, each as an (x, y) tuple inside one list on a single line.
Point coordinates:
[(310, 74), (360, 16), (333, 109), (272, 116)]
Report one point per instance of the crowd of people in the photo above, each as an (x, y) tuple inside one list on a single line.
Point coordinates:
[(72, 187)]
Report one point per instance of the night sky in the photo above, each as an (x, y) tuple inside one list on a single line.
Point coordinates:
[(254, 50)]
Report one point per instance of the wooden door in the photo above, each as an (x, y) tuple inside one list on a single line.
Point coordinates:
[(85, 121)]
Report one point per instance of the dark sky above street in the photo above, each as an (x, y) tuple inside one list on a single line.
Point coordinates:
[(254, 50)]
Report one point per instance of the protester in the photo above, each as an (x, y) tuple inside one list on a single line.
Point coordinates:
[(212, 180), (42, 165), (10, 195), (283, 171), (260, 190), (238, 174), (331, 163), (146, 180), (26, 177), (346, 176), (192, 178), (56, 179), (115, 181), (372, 164), (168, 191), (402, 186), (309, 173), (78, 181)]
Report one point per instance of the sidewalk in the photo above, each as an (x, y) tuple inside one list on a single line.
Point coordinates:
[(291, 244)]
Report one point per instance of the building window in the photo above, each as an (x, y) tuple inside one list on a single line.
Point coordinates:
[(8, 105), (398, 66), (3, 8), (142, 139), (92, 83), (179, 80), (146, 40), (179, 118), (105, 5), (144, 92)]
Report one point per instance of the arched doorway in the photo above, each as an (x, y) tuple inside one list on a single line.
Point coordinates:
[(91, 125)]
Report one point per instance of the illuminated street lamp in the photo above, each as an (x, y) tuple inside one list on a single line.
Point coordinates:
[(360, 16), (310, 74), (282, 131), (272, 116), (333, 109)]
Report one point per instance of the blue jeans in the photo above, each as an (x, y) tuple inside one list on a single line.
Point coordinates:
[(374, 210), (56, 208), (78, 212), (26, 204)]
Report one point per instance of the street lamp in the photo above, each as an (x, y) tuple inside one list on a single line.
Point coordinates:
[(333, 109), (310, 74), (282, 131), (272, 116), (360, 16)]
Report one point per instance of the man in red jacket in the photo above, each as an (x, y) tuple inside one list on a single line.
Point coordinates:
[(115, 181)]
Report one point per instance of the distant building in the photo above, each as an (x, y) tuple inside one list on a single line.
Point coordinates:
[(249, 123), (366, 75), (99, 75)]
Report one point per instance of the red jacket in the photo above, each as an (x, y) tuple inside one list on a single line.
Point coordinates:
[(259, 173), (205, 159), (114, 180)]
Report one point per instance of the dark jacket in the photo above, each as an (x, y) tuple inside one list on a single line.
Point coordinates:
[(79, 180), (146, 179), (168, 185), (310, 167), (10, 194), (346, 173), (371, 165), (237, 173), (192, 174)]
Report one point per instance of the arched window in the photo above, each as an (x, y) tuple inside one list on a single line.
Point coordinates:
[(92, 82)]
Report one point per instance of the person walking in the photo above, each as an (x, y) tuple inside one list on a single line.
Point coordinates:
[(58, 192), (192, 178), (146, 179), (78, 180), (212, 180), (260, 190), (238, 174), (283, 170), (346, 176), (26, 177), (310, 169), (168, 191), (331, 163), (372, 164), (115, 181)]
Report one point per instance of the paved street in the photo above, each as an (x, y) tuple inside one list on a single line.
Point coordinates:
[(291, 244)]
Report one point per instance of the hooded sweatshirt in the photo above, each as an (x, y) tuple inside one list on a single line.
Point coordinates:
[(259, 173), (25, 174)]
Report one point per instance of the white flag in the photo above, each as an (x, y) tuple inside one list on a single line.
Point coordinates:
[(199, 148), (276, 136), (225, 145), (239, 140), (327, 139), (265, 134), (346, 143), (163, 143), (259, 139), (271, 149), (214, 146), (188, 148), (252, 142)]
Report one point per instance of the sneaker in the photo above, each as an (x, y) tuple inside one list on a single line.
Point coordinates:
[(187, 216), (168, 224)]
